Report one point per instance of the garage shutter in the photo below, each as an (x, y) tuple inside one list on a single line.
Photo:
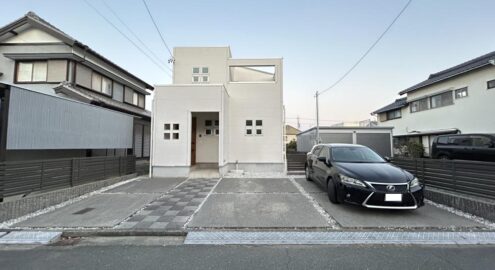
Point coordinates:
[(146, 141), (138, 140), (379, 142)]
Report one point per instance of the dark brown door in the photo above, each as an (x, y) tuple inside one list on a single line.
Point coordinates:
[(193, 141)]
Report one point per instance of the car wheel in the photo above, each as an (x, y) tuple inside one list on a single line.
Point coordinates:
[(332, 191), (306, 172)]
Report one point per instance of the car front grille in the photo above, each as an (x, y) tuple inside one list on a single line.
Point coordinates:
[(398, 188)]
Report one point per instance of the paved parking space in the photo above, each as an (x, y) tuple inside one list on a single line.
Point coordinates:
[(255, 185), (352, 216), (172, 210), (288, 210), (147, 185), (101, 210), (257, 203)]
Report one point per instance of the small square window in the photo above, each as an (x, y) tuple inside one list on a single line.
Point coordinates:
[(176, 136), (216, 123), (259, 132), (167, 126), (195, 78), (208, 123), (205, 78), (204, 70), (461, 93), (249, 123), (208, 132), (490, 84), (195, 70), (166, 136), (176, 126), (259, 122), (249, 131), (217, 131)]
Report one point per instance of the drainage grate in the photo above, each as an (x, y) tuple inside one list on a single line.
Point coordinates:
[(83, 211), (341, 238)]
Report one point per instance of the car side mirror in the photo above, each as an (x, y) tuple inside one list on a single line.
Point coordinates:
[(387, 159)]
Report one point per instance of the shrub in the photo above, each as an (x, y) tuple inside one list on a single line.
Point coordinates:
[(292, 146), (415, 149)]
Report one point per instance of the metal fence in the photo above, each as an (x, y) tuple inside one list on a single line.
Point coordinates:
[(24, 177), (468, 177)]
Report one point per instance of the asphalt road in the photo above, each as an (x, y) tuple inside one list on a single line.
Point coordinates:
[(124, 256)]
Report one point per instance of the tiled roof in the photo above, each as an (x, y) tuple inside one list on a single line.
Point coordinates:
[(90, 96), (398, 103), (32, 17), (290, 130), (470, 65)]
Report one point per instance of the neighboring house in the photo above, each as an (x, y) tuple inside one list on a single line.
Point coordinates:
[(221, 112), (37, 56), (290, 134), (456, 100)]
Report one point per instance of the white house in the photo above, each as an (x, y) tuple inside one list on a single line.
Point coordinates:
[(456, 100), (219, 112)]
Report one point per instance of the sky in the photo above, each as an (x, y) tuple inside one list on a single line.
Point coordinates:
[(318, 41)]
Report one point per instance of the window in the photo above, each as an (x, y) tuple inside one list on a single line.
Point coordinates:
[(200, 75), (461, 93), (106, 86), (419, 105), (211, 127), (141, 101), (481, 141), (441, 100), (393, 114), (324, 153), (257, 129), (134, 98), (460, 140), (171, 134), (32, 71), (442, 140), (490, 84), (96, 82)]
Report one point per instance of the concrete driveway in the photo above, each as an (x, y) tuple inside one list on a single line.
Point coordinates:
[(353, 216)]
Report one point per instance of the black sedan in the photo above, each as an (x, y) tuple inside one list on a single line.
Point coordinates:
[(356, 174)]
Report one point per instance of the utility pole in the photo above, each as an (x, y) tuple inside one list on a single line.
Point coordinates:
[(298, 123), (317, 120)]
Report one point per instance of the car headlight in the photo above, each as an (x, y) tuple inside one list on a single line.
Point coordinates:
[(351, 181), (414, 182)]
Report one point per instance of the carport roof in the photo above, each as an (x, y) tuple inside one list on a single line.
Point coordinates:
[(345, 128)]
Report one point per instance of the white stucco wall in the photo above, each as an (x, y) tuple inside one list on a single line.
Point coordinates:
[(471, 114), (174, 104)]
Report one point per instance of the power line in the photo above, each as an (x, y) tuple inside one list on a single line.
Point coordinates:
[(158, 30), (135, 35), (124, 35), (368, 51)]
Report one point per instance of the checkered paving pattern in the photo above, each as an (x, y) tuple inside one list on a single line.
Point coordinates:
[(171, 211)]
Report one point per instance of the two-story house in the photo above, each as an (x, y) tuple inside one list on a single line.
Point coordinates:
[(39, 57), (221, 112), (456, 100)]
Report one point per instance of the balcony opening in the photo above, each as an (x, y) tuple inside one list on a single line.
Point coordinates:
[(252, 73)]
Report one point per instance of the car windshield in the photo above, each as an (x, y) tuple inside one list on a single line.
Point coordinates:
[(355, 155)]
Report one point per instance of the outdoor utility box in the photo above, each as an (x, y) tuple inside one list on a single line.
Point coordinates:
[(377, 138)]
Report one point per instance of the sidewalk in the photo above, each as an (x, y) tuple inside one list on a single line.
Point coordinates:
[(171, 205)]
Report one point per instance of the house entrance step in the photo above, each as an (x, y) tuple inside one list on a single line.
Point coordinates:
[(338, 238)]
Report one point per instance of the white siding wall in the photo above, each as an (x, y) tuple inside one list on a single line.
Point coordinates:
[(470, 114)]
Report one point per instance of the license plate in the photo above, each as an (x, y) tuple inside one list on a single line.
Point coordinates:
[(393, 197)]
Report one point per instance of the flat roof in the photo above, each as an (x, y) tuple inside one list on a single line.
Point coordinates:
[(345, 128)]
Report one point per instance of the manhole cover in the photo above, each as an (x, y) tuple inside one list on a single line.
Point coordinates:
[(83, 211)]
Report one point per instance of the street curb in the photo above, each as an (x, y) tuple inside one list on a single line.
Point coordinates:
[(120, 233)]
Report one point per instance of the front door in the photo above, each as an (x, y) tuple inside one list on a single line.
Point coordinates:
[(193, 141)]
